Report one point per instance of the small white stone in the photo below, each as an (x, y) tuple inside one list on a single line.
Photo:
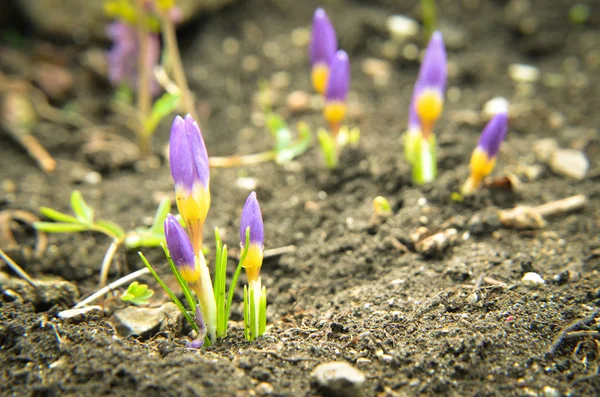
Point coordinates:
[(570, 163), (550, 392), (523, 73), (532, 280), (401, 27), (246, 183), (495, 106)]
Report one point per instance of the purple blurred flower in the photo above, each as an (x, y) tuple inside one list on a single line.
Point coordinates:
[(180, 249), (252, 217), (323, 43), (123, 56), (432, 74), (188, 157), (338, 83), (493, 134)]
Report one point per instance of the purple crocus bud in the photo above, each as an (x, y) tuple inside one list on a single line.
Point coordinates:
[(252, 218), (483, 158), (322, 49), (180, 249), (123, 56), (431, 84), (493, 134), (199, 341), (337, 90), (189, 167)]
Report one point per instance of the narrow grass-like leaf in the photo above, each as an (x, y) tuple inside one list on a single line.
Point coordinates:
[(83, 212), (246, 314), (182, 283), (236, 275), (54, 227), (57, 216), (262, 319), (328, 148), (170, 293), (161, 213)]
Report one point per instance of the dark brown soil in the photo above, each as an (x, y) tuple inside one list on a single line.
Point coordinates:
[(413, 325)]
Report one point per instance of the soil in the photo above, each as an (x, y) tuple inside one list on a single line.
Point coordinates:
[(354, 288)]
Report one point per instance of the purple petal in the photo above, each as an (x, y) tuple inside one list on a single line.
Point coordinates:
[(414, 123), (252, 217), (493, 134), (432, 74), (199, 153), (188, 157), (338, 82), (178, 243), (323, 43)]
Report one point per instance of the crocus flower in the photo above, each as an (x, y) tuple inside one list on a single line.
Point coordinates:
[(252, 218), (338, 85), (123, 57), (189, 167), (431, 84), (484, 156), (180, 249), (323, 46)]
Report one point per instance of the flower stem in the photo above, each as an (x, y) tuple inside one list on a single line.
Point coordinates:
[(144, 96), (170, 38)]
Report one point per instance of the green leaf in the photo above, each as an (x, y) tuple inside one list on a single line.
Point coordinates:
[(115, 230), (137, 240), (161, 214), (280, 131), (138, 294), (328, 148), (296, 148), (170, 293), (57, 216), (53, 227), (161, 109), (82, 211)]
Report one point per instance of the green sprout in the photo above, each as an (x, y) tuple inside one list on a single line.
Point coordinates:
[(429, 14), (137, 294), (84, 220), (381, 206)]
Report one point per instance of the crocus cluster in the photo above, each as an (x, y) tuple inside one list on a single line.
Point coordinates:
[(425, 109), (330, 70), (484, 156), (190, 171), (123, 57)]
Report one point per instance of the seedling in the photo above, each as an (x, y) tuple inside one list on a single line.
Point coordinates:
[(484, 156), (190, 171), (83, 220), (425, 109), (330, 75), (137, 294), (381, 206)]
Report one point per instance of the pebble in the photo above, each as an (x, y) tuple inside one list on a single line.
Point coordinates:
[(532, 280), (570, 163), (298, 101), (56, 81), (338, 379), (550, 392), (522, 73), (377, 69), (543, 149), (401, 27), (495, 106), (141, 320), (246, 183), (264, 389)]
